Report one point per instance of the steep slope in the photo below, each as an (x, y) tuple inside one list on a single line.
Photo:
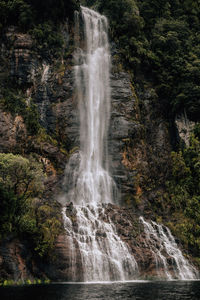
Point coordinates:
[(39, 115)]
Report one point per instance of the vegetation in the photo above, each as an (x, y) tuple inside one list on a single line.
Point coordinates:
[(41, 19), (184, 193), (159, 42), (24, 177), (48, 41), (27, 13), (24, 282), (21, 183), (13, 101)]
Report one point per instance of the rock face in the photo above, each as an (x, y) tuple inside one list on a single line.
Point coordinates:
[(138, 147), (131, 231), (138, 139), (16, 261), (122, 128), (185, 128), (22, 63), (12, 132)]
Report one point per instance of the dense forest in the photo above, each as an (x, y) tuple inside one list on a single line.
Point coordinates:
[(158, 44), (22, 175)]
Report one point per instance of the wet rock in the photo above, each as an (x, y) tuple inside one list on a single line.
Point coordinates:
[(60, 269), (23, 64), (122, 127), (16, 260)]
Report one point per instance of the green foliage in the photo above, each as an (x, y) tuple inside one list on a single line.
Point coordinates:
[(56, 10), (21, 180), (42, 225), (31, 118), (20, 175), (8, 205), (126, 29), (24, 282), (159, 42), (170, 27), (27, 13), (14, 102), (41, 19), (28, 224), (49, 229), (184, 191), (16, 11), (47, 40)]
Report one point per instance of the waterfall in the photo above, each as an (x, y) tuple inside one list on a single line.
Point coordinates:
[(96, 251), (169, 259), (45, 102), (104, 256), (92, 182), (92, 237)]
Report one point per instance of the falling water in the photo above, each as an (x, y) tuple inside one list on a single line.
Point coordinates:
[(95, 246), (168, 257), (92, 182), (104, 256), (45, 102)]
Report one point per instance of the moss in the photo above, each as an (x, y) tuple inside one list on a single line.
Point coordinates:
[(43, 137), (48, 40), (10, 282), (14, 101), (49, 225), (64, 151), (60, 69), (73, 150), (117, 66)]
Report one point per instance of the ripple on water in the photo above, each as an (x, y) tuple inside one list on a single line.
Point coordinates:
[(136, 290)]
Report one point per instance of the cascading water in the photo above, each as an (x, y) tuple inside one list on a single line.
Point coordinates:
[(169, 259), (45, 102), (104, 256), (91, 182), (96, 249)]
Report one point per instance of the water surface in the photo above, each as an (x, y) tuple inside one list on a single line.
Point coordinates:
[(170, 290)]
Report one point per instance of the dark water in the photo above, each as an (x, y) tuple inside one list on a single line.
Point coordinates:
[(174, 290)]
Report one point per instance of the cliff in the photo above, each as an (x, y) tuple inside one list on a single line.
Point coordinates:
[(39, 116)]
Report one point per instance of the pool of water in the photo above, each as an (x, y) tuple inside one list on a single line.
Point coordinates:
[(156, 290)]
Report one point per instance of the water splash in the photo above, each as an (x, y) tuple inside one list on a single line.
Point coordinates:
[(104, 256), (168, 257)]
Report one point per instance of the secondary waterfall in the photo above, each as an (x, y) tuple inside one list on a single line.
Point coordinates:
[(169, 259), (104, 256)]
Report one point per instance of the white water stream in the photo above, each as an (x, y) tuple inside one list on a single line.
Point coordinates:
[(164, 247), (45, 103), (92, 183), (104, 256)]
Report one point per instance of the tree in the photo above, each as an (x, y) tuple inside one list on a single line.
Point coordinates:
[(23, 176)]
